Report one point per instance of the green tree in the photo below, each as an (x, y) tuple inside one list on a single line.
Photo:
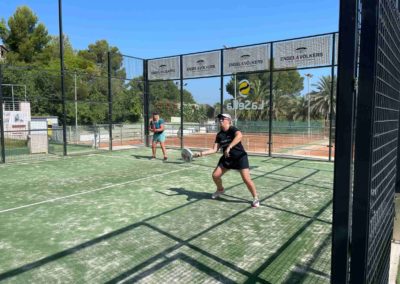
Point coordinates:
[(24, 36), (98, 54), (165, 98), (321, 99), (286, 86), (299, 109)]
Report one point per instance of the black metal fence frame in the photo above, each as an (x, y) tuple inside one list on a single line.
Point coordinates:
[(363, 220), (345, 127), (2, 144), (146, 94), (271, 72)]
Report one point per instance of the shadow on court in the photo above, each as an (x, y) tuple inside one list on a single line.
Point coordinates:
[(195, 195), (141, 157), (162, 259)]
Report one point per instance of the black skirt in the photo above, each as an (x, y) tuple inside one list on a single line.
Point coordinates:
[(234, 164)]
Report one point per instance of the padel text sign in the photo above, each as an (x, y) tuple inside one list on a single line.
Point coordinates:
[(246, 59), (202, 64), (309, 52), (164, 68)]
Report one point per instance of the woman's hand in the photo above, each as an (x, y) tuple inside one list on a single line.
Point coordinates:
[(197, 155), (227, 150)]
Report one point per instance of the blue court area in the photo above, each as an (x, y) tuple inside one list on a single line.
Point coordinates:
[(120, 217)]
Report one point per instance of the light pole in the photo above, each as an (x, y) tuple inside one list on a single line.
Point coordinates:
[(309, 76), (235, 102), (235, 91)]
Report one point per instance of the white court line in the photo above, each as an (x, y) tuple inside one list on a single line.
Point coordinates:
[(93, 190), (136, 159), (124, 157)]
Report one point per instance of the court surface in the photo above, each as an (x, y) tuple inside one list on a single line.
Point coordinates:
[(120, 217)]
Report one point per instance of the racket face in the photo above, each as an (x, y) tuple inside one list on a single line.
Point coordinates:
[(187, 155)]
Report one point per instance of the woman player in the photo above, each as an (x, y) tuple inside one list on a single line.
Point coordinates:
[(234, 157)]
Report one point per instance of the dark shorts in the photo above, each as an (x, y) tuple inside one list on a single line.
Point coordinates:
[(234, 164)]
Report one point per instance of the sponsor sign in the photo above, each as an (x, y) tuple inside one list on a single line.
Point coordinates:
[(203, 64), (246, 59), (244, 88), (164, 69), (243, 103), (309, 52)]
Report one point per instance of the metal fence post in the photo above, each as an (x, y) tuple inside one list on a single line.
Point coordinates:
[(222, 82), (2, 142), (181, 94), (64, 111), (271, 104), (344, 135), (331, 98), (376, 144), (110, 102), (146, 102)]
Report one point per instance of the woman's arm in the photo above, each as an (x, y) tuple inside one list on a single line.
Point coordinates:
[(161, 129), (208, 152), (236, 140)]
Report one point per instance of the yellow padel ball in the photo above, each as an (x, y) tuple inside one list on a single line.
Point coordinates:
[(244, 87)]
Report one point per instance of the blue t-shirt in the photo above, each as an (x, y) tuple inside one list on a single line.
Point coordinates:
[(157, 124)]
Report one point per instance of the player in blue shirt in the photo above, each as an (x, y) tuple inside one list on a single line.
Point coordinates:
[(157, 127)]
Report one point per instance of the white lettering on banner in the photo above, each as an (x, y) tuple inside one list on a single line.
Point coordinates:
[(246, 63), (200, 68)]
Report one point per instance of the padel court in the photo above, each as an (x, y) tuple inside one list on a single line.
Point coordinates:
[(120, 217)]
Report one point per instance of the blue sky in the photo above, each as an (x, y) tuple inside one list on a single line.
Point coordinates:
[(149, 29)]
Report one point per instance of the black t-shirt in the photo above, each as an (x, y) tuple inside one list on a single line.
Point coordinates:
[(224, 138)]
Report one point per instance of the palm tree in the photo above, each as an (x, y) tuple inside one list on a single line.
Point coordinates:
[(298, 109), (283, 103), (259, 93), (321, 99)]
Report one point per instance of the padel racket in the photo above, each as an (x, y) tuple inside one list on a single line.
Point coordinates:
[(152, 125), (187, 155)]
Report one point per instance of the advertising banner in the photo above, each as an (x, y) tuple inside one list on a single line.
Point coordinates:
[(164, 68), (202, 64), (308, 52), (246, 59)]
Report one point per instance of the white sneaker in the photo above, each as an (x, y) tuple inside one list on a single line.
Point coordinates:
[(255, 203), (217, 194)]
